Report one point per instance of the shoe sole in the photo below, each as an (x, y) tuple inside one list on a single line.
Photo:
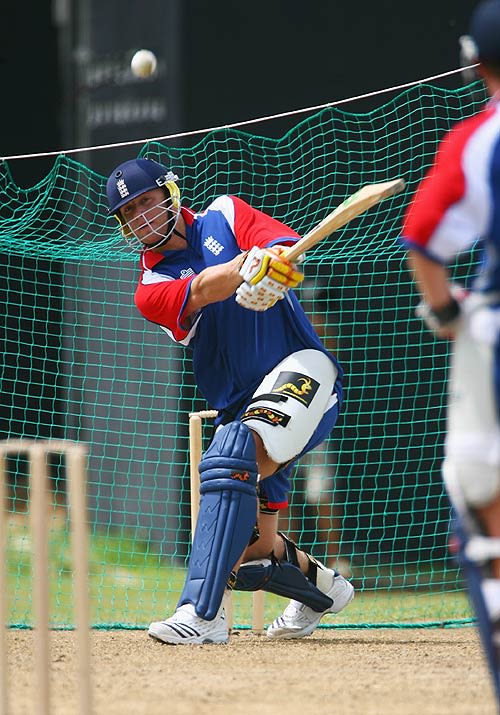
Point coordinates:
[(288, 635)]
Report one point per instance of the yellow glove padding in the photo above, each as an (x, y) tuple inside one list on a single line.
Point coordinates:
[(271, 262), (267, 276)]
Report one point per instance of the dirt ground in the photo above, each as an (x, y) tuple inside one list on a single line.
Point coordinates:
[(351, 672)]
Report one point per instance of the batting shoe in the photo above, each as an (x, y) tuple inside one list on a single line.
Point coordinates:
[(185, 627), (298, 620)]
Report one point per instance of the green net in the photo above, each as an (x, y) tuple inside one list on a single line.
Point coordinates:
[(80, 363)]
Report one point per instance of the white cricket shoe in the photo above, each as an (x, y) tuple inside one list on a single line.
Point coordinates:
[(298, 620), (185, 627)]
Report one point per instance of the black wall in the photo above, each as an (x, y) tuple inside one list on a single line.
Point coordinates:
[(234, 60), (30, 111), (251, 59), (29, 122)]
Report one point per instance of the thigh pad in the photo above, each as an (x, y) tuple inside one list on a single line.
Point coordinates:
[(289, 404)]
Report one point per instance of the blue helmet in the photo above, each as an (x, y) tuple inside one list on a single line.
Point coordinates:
[(135, 177), (485, 31)]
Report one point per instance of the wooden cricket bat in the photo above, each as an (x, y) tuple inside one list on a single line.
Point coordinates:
[(353, 206)]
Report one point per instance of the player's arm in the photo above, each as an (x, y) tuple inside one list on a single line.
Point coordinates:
[(439, 309), (175, 303), (252, 227), (439, 224), (214, 284), (431, 279)]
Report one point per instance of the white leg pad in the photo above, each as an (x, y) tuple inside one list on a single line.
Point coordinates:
[(472, 449), (478, 482), (306, 378)]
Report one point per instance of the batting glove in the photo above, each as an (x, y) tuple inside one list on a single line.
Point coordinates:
[(267, 276), (258, 297), (270, 263), (444, 322)]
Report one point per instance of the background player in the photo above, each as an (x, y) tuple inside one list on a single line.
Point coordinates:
[(458, 202), (218, 282)]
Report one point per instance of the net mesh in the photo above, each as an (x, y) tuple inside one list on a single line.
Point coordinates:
[(80, 363)]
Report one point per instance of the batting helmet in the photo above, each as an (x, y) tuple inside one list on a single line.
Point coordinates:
[(135, 177), (485, 31)]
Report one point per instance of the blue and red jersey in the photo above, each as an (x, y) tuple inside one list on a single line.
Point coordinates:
[(233, 347), (458, 201)]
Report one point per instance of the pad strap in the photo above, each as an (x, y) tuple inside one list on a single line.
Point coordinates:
[(228, 508), (284, 578)]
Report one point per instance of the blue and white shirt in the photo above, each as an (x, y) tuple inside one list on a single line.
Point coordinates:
[(458, 201), (233, 347)]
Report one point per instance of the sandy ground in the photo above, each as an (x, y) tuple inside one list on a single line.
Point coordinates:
[(351, 672)]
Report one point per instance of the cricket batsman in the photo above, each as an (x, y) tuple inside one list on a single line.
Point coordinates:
[(218, 282)]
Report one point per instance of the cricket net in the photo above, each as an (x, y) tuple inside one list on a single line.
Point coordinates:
[(79, 363)]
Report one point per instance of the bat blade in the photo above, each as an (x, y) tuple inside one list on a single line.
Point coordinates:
[(353, 206)]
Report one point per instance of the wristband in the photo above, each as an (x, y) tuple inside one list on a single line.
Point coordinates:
[(447, 313)]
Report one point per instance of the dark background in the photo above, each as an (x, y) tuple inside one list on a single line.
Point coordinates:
[(220, 62)]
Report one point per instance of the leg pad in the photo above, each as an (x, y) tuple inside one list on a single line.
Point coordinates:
[(228, 510)]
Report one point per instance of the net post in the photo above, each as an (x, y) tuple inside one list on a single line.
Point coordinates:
[(258, 612)]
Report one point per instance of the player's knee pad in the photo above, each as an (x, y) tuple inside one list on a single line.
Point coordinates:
[(479, 481), (228, 510), (291, 401), (284, 578), (472, 446)]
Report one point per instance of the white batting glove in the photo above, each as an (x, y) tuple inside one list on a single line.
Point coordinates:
[(270, 266), (445, 322), (257, 297), (267, 276), (442, 328)]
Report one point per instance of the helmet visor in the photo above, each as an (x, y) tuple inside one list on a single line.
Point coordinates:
[(150, 228)]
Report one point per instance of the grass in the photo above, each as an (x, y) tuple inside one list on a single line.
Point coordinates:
[(131, 585)]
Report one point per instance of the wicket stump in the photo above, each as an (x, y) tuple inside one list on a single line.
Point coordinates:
[(75, 456)]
